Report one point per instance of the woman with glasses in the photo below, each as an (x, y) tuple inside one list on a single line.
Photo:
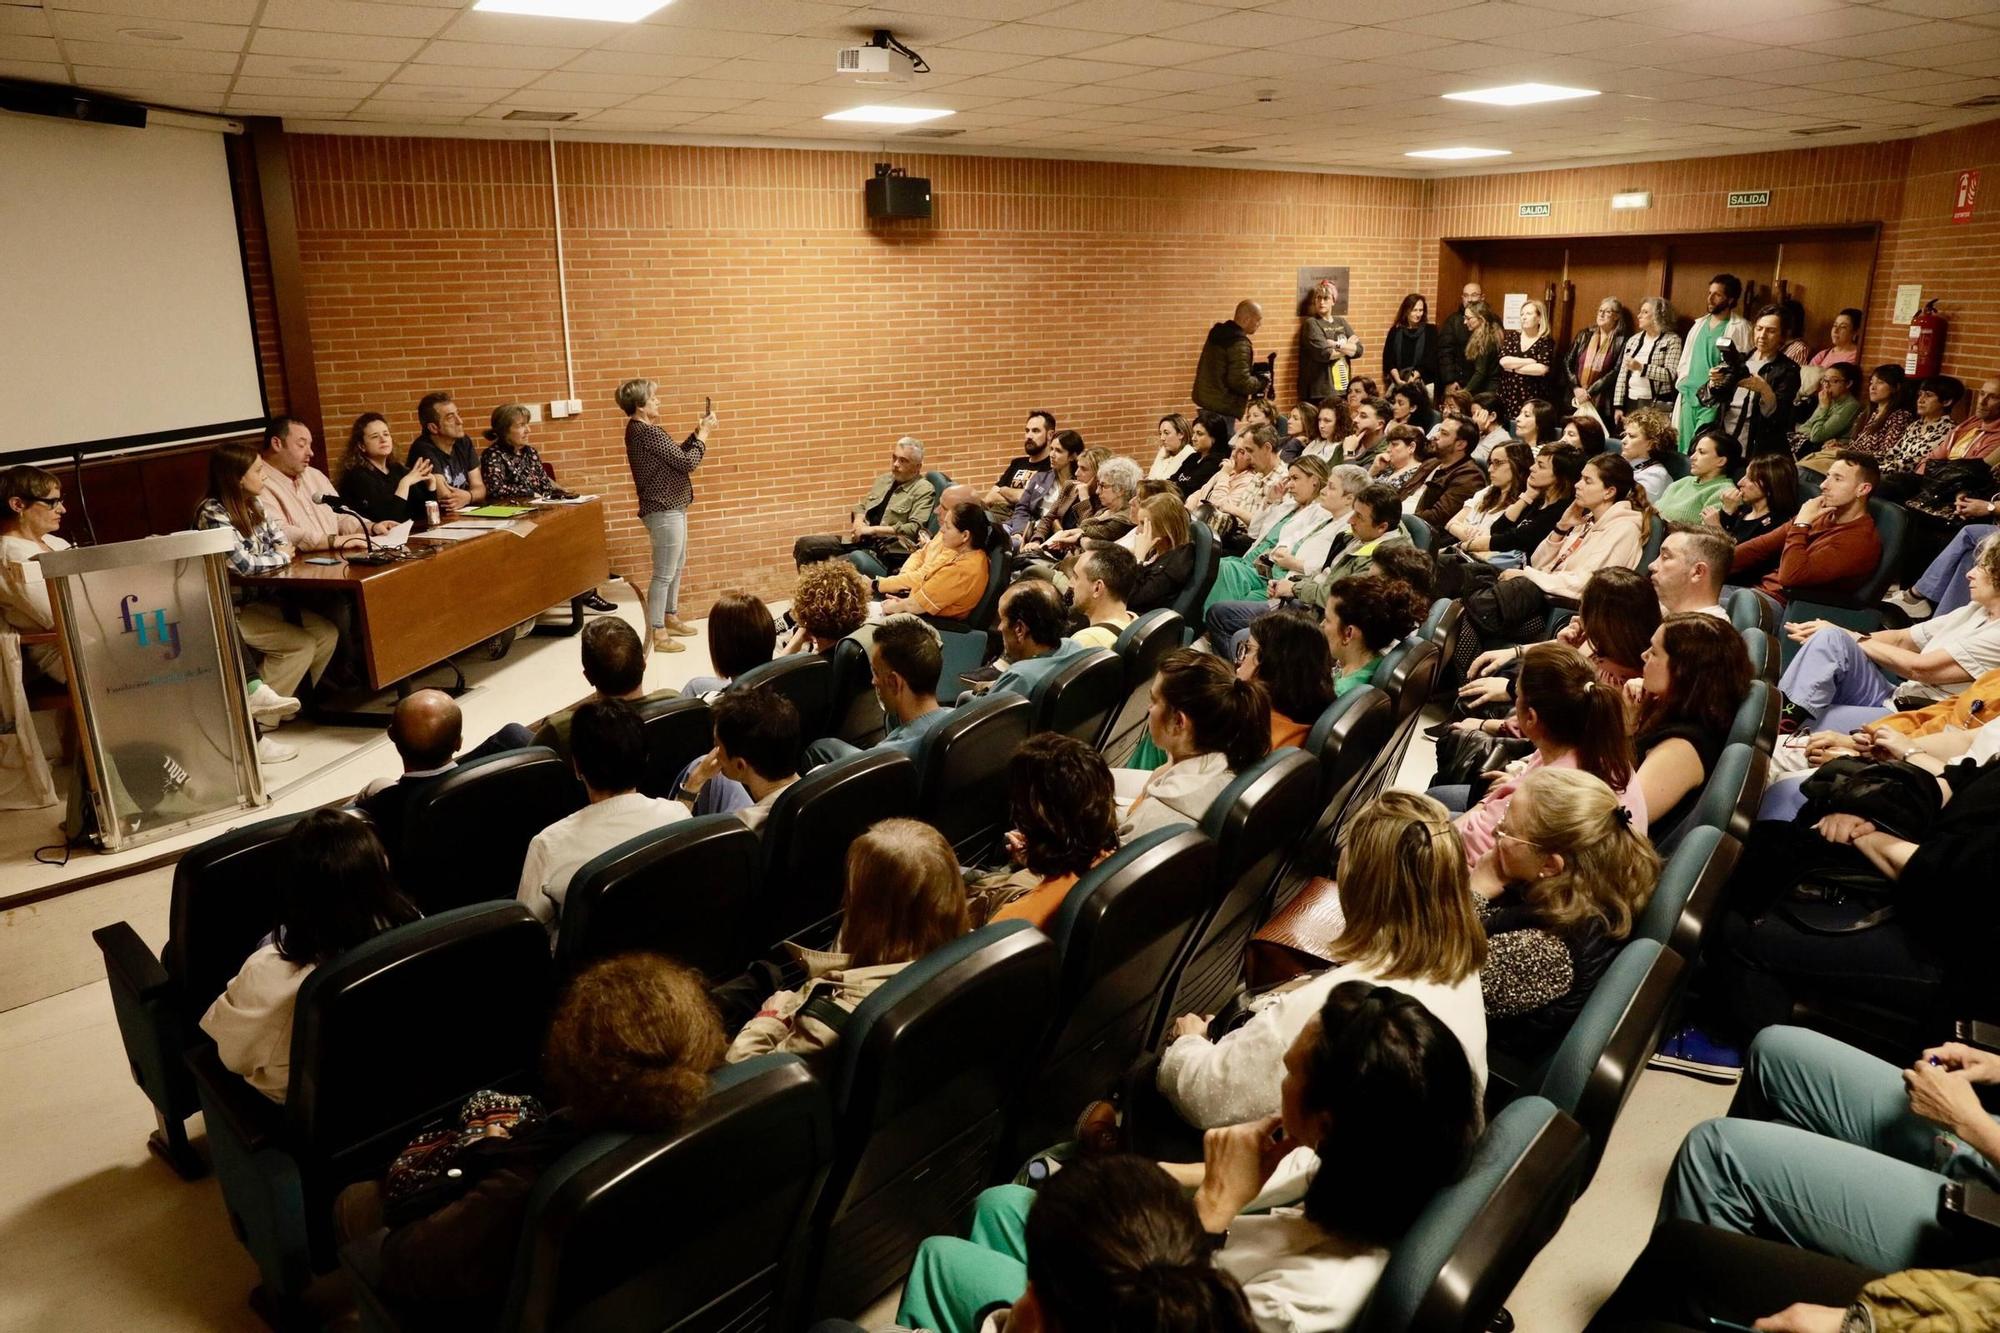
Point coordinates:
[(34, 510), (1596, 356)]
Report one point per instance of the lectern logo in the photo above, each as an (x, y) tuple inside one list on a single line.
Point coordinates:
[(152, 627)]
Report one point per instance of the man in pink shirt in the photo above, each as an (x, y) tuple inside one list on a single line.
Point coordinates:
[(1979, 437), (291, 496)]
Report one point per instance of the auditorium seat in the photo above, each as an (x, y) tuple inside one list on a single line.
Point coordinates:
[(921, 1112), (224, 902), (1855, 610), (1763, 656), (1756, 721), (1750, 609), (1690, 888), (1207, 562), (685, 890), (1345, 740), (1467, 1250), (856, 715), (962, 773), (940, 483), (804, 678), (678, 732), (701, 1228), (1406, 674), (1141, 645), (385, 1039), (1439, 629), (466, 837), (1656, 537), (802, 871), (1418, 531), (1117, 937), (1078, 698), (999, 564), (1729, 801), (1255, 823)]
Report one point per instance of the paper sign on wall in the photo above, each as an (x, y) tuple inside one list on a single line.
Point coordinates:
[(1909, 300), (1511, 316), (1965, 196)]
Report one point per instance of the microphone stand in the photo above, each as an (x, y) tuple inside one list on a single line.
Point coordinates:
[(373, 556)]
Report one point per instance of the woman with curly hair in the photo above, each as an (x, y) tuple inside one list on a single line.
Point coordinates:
[(830, 602), (1059, 794), (1286, 654), (1366, 616)]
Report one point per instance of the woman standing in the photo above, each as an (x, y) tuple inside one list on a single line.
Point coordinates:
[(1595, 357), (1846, 335), (1527, 356), (1651, 360), (663, 473), (1410, 351), (1326, 346), (1482, 352), (33, 510)]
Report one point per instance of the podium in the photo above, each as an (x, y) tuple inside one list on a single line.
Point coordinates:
[(147, 631)]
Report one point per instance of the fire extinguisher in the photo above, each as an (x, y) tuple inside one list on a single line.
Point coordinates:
[(1926, 355)]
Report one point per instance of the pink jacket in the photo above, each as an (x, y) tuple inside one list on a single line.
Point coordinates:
[(1564, 561)]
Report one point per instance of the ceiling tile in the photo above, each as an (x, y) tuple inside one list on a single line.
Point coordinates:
[(199, 11), (687, 102), (349, 71), (291, 106), (1154, 51), (573, 79), (161, 80), (304, 88), (549, 100), (1025, 39), (318, 46), (43, 49), (137, 55), (1940, 9), (428, 80), (71, 25), (994, 11), (1171, 80), (1251, 29), (16, 21), (354, 16), (43, 71), (921, 31), (689, 42), (1920, 37), (1711, 15), (528, 30), (1831, 25), (472, 56), (774, 16), (1134, 18), (1470, 23), (624, 118), (1606, 35)]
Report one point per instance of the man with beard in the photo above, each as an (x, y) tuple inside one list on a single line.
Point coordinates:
[(1700, 355), (1033, 458)]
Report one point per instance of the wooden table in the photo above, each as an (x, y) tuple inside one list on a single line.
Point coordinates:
[(413, 614)]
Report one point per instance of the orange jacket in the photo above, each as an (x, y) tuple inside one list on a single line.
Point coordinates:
[(940, 582)]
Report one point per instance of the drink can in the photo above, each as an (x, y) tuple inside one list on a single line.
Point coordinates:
[(431, 513)]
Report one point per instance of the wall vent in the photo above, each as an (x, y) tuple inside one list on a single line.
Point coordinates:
[(539, 115)]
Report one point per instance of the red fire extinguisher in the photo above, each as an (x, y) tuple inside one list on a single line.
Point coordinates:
[(1926, 355)]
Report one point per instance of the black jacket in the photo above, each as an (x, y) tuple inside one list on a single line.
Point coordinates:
[(1761, 434), (374, 493), (1451, 351), (1526, 533), (1425, 361), (1161, 580), (1223, 379)]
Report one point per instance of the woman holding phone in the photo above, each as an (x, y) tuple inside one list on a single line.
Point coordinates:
[(663, 474)]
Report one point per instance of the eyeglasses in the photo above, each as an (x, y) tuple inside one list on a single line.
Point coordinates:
[(52, 501), (1513, 837)]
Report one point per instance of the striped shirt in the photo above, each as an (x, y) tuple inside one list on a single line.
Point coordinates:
[(661, 470)]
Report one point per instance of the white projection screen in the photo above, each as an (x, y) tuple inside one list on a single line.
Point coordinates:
[(123, 314)]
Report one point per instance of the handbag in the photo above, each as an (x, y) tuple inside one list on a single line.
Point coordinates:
[(1462, 756), (1504, 610), (1460, 572), (1836, 890)]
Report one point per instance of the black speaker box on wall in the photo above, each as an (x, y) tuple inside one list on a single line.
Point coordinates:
[(49, 99), (891, 194)]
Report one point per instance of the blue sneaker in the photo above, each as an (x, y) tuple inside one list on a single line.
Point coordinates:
[(1693, 1051)]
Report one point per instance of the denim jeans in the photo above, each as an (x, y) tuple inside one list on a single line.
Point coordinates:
[(668, 531), (1943, 584)]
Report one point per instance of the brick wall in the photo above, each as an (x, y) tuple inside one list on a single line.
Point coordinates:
[(752, 274)]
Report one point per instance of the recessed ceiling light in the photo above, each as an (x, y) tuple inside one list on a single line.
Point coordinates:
[(1460, 154), (317, 69), (1521, 94), (888, 115), (608, 11), (150, 34)]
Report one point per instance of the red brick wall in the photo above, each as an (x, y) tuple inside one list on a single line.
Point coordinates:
[(1085, 288)]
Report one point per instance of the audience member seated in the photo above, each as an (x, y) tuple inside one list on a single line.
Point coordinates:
[(1713, 462), (1944, 586), (1371, 423), (1287, 654), (1689, 572), (31, 509), (888, 523), (1330, 429), (905, 659), (338, 892), (829, 603), (1380, 1112), (1166, 556), (1408, 920), (1528, 519), (1562, 882), (1936, 398), (1006, 490), (1842, 668), (947, 574), (1118, 482), (1101, 581), (1031, 622), (1614, 622), (1234, 497), (375, 484), (1454, 479), (1404, 462), (1210, 726), (293, 488), (1065, 820), (1585, 432), (1753, 405), (1763, 499), (293, 654), (426, 728), (1208, 450), (629, 1050), (608, 750), (614, 666), (1410, 405), (1056, 482), (1072, 504), (1828, 549), (1649, 437), (1697, 675), (1507, 469), (1978, 438), (1930, 737), (1366, 616), (1834, 412), (454, 459), (1486, 418), (741, 636), (509, 467), (1537, 423), (1298, 531), (757, 754), (1374, 525), (1605, 528), (1880, 423), (1174, 449), (905, 898)]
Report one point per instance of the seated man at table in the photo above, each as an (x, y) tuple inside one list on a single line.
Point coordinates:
[(614, 663), (453, 457), (608, 748), (756, 756), (292, 492), (887, 525), (426, 729), (905, 660), (1829, 548)]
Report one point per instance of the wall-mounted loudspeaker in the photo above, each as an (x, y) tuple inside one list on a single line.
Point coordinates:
[(50, 99), (891, 194)]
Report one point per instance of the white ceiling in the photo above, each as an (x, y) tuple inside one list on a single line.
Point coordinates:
[(1331, 83)]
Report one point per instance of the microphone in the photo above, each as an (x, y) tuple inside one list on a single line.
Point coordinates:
[(333, 501)]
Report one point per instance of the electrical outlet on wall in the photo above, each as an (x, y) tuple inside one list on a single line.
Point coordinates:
[(576, 407), (534, 411), (559, 408)]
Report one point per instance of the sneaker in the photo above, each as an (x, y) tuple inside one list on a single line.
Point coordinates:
[(676, 626), (1693, 1051), (1906, 601), (271, 750), (1794, 718), (596, 601), (664, 642), (267, 705)]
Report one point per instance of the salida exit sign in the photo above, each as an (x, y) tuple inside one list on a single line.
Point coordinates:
[(1749, 198)]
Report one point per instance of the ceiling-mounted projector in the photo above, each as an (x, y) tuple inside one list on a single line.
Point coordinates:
[(883, 60)]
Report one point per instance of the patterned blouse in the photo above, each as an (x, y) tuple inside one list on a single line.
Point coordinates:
[(258, 553), (1918, 440), (515, 474), (662, 470), (1877, 440)]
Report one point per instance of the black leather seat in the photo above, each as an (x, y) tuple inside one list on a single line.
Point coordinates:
[(1141, 646), (803, 871), (224, 903), (464, 838), (385, 1038), (1079, 697), (962, 773), (921, 1108), (684, 890), (999, 565), (1406, 674), (1346, 739), (804, 678), (1207, 563), (697, 1229), (1255, 823), (1117, 936), (856, 716), (1690, 888), (678, 732)]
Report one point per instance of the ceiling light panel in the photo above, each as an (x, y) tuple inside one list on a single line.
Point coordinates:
[(606, 11), (1521, 94), (887, 115), (1459, 154)]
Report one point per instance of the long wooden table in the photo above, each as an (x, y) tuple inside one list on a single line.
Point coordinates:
[(414, 614)]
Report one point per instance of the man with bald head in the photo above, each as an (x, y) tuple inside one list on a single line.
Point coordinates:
[(1223, 380), (956, 494), (426, 729)]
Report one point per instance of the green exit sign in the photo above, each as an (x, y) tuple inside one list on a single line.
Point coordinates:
[(1540, 210), (1749, 198)]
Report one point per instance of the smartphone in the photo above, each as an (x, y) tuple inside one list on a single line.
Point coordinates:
[(1968, 1201), (321, 560), (1986, 1036), (707, 406)]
